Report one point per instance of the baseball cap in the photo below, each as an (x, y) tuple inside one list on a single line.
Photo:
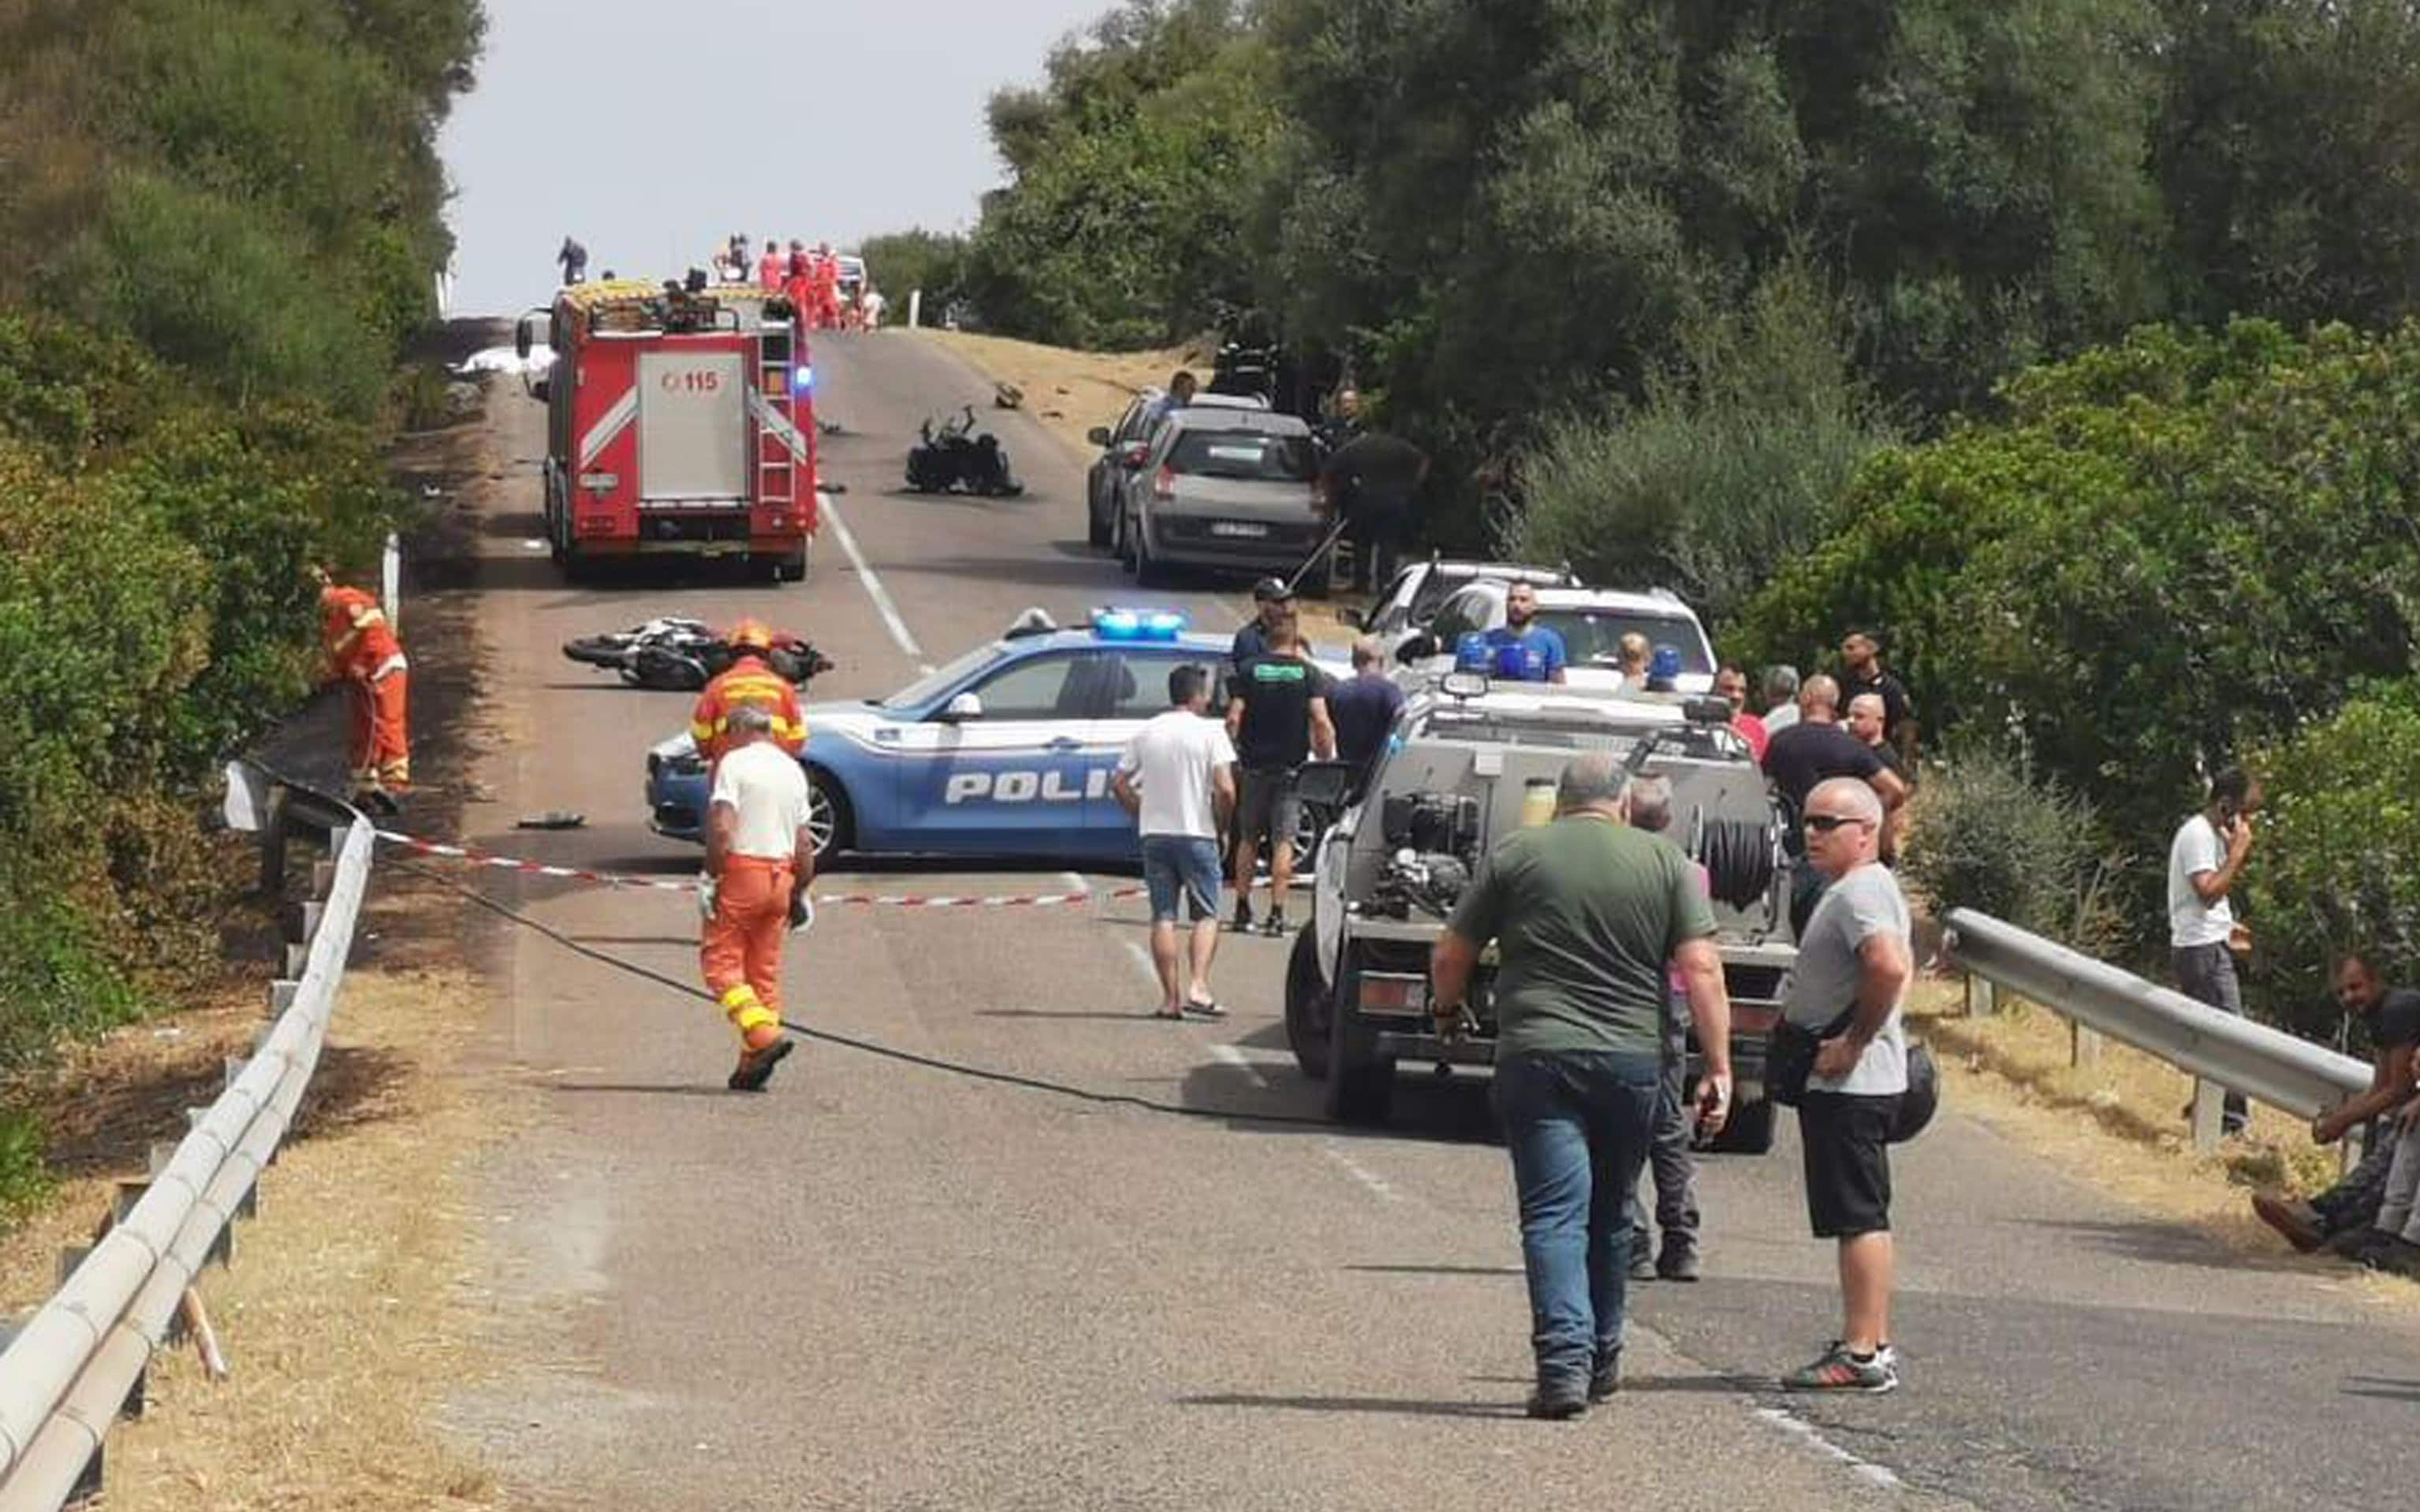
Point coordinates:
[(1271, 590)]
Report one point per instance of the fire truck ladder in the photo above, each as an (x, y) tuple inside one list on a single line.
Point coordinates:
[(777, 429)]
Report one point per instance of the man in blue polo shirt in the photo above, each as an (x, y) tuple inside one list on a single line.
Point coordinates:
[(1520, 650)]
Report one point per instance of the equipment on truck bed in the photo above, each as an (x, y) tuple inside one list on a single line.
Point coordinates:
[(681, 422)]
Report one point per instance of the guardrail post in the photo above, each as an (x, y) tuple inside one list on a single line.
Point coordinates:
[(1982, 996), (298, 957), (2209, 1112), (2084, 1045), (272, 843), (280, 995)]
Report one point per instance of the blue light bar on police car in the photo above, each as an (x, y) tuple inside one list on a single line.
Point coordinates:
[(1137, 623), (802, 379)]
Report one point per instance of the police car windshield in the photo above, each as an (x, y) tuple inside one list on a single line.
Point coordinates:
[(1258, 455), (1594, 635), (932, 684)]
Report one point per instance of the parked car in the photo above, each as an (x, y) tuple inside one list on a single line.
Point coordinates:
[(1407, 602), (1591, 622), (1124, 447), (1220, 487)]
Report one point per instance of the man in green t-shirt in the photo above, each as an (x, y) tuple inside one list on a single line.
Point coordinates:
[(1588, 913)]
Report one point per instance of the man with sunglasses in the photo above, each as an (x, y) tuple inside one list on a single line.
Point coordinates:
[(1855, 964)]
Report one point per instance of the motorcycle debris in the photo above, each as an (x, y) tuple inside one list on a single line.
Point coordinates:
[(552, 819)]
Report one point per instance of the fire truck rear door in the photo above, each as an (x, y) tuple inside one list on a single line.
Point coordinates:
[(693, 427)]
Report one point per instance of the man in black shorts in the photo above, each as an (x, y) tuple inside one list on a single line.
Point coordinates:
[(1855, 964), (1276, 716)]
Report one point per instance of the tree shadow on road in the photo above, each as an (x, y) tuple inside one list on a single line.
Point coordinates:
[(2170, 1244), (2393, 1391)]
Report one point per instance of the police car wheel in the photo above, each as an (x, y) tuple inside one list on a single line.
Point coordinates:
[(828, 816)]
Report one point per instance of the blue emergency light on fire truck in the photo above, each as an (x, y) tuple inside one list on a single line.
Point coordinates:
[(1006, 751)]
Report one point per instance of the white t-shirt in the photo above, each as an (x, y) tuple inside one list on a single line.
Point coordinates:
[(1781, 717), (1169, 760), (768, 789), (2197, 849)]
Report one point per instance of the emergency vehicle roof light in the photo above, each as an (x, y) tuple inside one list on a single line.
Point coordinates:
[(1137, 623), (1464, 685), (802, 379)]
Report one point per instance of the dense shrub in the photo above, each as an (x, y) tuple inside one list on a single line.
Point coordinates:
[(1985, 834), (1725, 469), (221, 219), (2332, 868), (2175, 551)]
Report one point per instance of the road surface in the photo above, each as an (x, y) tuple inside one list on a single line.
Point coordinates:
[(885, 1286)]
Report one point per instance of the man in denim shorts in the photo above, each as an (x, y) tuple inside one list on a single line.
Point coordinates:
[(1177, 778)]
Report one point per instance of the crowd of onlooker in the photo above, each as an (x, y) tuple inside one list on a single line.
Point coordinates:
[(829, 290)]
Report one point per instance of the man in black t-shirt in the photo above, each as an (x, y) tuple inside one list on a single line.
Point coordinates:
[(1276, 716), (2345, 1211), (1862, 672), (1800, 757), (1372, 483)]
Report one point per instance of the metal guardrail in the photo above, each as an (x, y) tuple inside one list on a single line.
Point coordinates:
[(77, 1363), (2218, 1049)]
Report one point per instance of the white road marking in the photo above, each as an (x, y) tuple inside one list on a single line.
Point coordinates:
[(874, 589), (1236, 1058), (1142, 958), (1807, 1433), (1336, 1151)]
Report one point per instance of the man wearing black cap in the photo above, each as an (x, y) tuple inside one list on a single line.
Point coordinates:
[(1274, 601)]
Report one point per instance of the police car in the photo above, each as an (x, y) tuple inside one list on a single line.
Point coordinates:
[(1006, 751)]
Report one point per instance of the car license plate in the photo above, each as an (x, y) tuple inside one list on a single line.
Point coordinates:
[(1244, 528)]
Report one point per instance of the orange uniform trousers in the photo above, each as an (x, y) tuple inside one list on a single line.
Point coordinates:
[(382, 733), (741, 948)]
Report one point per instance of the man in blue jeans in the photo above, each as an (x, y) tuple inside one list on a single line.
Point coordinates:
[(1177, 778), (1588, 913)]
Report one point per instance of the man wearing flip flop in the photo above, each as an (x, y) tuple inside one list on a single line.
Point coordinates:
[(1177, 778)]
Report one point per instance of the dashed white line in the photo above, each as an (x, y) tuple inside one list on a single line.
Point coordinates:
[(1335, 1151), (1805, 1432), (1236, 1058), (874, 589)]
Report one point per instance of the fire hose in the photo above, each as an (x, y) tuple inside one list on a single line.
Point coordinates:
[(869, 1047)]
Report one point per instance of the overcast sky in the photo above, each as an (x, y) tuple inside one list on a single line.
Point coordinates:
[(651, 131)]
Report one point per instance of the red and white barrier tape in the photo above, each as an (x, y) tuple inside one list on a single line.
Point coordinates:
[(862, 900)]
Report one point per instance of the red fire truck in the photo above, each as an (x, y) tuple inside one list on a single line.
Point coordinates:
[(681, 422)]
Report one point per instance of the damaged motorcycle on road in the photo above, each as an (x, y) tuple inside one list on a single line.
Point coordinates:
[(678, 656), (955, 457)]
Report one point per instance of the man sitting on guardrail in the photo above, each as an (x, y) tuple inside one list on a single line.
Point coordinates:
[(2393, 1243), (2204, 861), (2342, 1214)]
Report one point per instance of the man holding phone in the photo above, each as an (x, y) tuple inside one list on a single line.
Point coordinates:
[(1588, 914), (2204, 860)]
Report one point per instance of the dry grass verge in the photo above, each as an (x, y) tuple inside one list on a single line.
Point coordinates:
[(340, 1315), (2117, 1122)]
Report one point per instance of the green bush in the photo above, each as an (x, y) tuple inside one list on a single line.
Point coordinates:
[(1727, 469), (2175, 550), (1985, 834), (2332, 868)]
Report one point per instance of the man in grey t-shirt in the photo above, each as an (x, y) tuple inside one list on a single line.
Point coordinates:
[(1855, 964)]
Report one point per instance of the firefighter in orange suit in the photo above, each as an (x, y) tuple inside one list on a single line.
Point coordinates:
[(748, 682), (364, 652), (759, 859), (826, 288)]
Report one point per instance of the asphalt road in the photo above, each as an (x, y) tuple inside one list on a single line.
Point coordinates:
[(885, 1286)]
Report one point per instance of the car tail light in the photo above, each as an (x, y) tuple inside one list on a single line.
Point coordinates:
[(1164, 486)]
